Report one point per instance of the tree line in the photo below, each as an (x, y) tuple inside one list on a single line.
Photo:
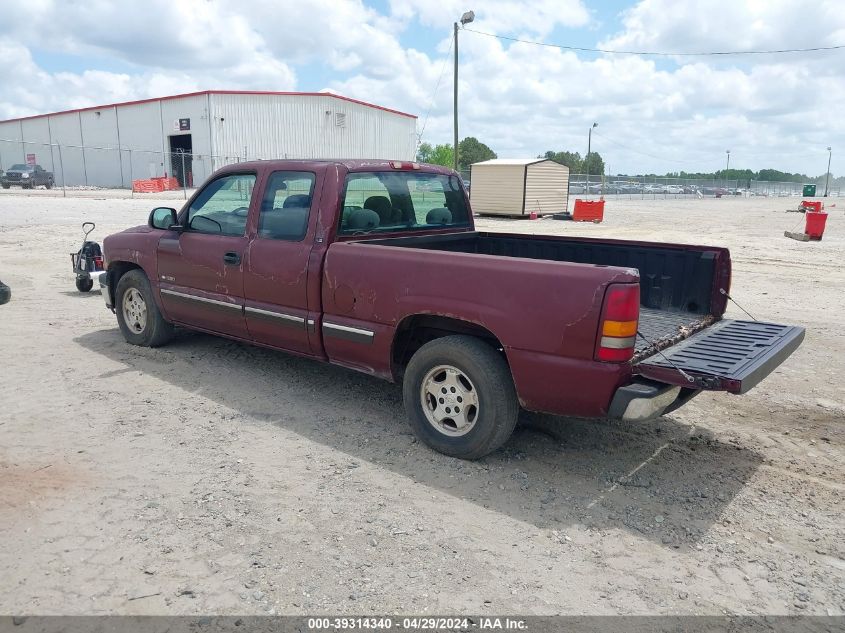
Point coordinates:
[(471, 150)]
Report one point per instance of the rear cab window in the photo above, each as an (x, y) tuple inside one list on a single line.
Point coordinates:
[(401, 201)]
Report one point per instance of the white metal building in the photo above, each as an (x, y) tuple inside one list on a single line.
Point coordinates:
[(112, 145), (518, 186)]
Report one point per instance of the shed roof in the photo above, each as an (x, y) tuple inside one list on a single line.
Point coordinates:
[(214, 92), (511, 161)]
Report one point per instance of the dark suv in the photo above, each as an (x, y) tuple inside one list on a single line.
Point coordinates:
[(27, 176)]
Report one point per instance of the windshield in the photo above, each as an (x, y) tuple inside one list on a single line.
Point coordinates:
[(20, 168), (388, 201)]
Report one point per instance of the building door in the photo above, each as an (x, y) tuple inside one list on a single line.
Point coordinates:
[(181, 157)]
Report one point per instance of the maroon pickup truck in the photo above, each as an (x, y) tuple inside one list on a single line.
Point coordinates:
[(377, 266)]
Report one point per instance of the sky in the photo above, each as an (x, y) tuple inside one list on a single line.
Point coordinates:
[(654, 114)]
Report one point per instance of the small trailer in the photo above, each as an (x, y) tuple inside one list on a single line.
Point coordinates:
[(519, 187)]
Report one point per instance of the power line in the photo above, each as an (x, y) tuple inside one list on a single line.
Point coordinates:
[(636, 151), (436, 87), (659, 54)]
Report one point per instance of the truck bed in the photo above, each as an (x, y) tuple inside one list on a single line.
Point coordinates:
[(673, 278), (679, 284)]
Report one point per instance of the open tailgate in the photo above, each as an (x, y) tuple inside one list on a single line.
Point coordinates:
[(727, 356)]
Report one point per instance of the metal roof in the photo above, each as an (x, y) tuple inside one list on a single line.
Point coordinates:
[(511, 161), (213, 92)]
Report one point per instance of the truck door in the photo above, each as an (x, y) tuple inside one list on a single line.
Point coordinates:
[(277, 268), (200, 270)]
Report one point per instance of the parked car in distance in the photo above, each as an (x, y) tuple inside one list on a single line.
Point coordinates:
[(576, 186), (337, 261), (27, 176), (673, 189)]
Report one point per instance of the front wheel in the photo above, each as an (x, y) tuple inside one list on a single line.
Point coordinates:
[(459, 397), (48, 184), (138, 315)]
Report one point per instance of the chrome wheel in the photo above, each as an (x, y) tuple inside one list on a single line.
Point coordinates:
[(134, 310), (449, 400)]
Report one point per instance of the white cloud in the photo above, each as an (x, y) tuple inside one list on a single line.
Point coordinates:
[(654, 115)]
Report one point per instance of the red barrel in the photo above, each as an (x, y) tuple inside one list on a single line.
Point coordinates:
[(814, 224)]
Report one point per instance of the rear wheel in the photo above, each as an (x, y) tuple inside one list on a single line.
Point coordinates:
[(459, 397), (48, 184), (138, 315)]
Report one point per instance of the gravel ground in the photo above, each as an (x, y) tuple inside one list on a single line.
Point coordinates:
[(213, 477)]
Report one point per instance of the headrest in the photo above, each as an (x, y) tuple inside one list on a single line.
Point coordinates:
[(362, 220), (439, 216)]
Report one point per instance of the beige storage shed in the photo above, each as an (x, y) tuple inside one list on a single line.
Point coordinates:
[(518, 186)]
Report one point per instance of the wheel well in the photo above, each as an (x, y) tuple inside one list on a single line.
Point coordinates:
[(417, 330), (116, 271)]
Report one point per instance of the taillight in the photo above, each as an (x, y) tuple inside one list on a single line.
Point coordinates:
[(98, 263), (618, 329)]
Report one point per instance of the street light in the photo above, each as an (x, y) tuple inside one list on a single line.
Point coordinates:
[(827, 176), (587, 157), (727, 166), (466, 18)]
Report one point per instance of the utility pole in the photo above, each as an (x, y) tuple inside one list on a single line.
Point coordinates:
[(466, 18), (827, 176), (587, 157), (727, 167)]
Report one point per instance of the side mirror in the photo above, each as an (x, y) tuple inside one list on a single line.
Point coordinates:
[(163, 218)]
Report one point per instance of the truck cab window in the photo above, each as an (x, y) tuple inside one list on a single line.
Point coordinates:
[(223, 206), (401, 201), (286, 205)]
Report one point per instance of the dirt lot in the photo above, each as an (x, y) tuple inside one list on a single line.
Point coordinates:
[(213, 477)]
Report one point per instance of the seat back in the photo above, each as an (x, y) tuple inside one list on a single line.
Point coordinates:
[(297, 200), (287, 223), (382, 206)]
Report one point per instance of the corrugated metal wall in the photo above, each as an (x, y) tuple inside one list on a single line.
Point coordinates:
[(290, 126), (497, 189), (132, 141), (546, 187)]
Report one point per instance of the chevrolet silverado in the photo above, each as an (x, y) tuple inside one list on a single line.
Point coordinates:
[(377, 266)]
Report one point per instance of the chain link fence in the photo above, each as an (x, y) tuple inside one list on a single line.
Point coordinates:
[(585, 186), (84, 170)]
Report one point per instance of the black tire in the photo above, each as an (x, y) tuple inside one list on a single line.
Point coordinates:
[(48, 184), (84, 285), (6, 186), (156, 331), (490, 377)]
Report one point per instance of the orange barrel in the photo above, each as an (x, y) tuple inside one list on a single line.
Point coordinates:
[(814, 224)]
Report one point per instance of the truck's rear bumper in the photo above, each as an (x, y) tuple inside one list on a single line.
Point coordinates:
[(646, 400)]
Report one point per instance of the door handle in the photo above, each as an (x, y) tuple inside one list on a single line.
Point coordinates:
[(232, 258)]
